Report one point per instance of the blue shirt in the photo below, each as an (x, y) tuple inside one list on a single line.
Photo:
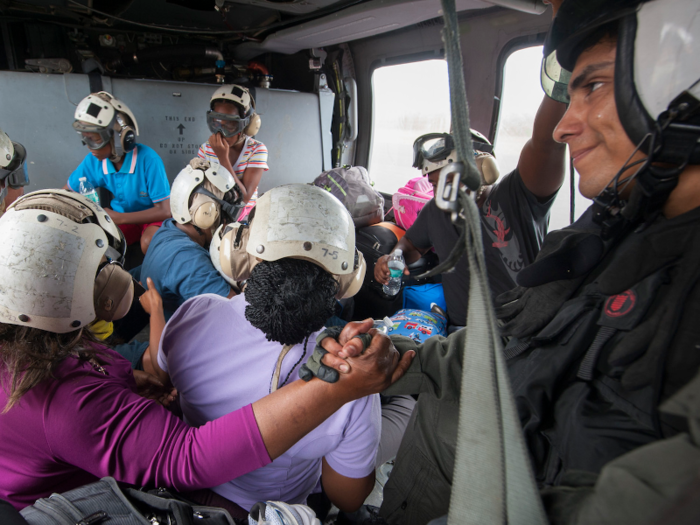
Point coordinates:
[(180, 268), (139, 183)]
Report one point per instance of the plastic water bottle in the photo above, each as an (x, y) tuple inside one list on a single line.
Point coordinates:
[(385, 326), (88, 190), (396, 265)]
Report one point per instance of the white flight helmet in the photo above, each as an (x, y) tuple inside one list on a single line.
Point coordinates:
[(238, 262), (434, 151), (657, 90), (7, 150), (230, 125), (60, 263), (102, 114), (198, 192), (320, 231)]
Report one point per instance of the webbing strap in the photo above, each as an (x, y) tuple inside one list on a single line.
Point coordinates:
[(587, 367), (492, 481), (275, 382)]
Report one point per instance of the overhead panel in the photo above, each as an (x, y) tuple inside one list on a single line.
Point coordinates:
[(359, 21), (299, 7)]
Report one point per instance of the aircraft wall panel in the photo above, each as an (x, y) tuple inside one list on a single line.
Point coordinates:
[(37, 111)]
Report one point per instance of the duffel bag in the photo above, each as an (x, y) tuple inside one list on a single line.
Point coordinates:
[(106, 502), (353, 187), (409, 200)]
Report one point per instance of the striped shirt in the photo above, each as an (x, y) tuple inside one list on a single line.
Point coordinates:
[(253, 155)]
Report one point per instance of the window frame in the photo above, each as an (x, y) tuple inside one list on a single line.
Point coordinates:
[(434, 54), (516, 44)]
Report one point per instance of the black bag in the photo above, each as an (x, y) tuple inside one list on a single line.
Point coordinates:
[(374, 242), (106, 502)]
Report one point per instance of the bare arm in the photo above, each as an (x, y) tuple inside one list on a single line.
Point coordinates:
[(251, 179), (348, 494), (159, 212), (153, 304), (541, 163), (251, 176), (13, 195), (410, 254)]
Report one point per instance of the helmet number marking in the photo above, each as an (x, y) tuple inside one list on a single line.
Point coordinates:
[(61, 222), (328, 253)]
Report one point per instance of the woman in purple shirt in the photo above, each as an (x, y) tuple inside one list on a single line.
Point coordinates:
[(72, 410)]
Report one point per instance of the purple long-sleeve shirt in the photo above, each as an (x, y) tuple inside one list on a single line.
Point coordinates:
[(83, 425)]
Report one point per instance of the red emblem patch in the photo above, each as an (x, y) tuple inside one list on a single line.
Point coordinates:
[(619, 305)]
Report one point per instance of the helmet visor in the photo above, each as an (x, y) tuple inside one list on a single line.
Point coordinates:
[(227, 125), (555, 79), (432, 147), (15, 175), (93, 136)]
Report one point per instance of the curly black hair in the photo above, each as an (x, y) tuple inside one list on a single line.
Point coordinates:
[(289, 299)]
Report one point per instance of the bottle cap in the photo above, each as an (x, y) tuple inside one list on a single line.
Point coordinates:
[(83, 178), (398, 251)]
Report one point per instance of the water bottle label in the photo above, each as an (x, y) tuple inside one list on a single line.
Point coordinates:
[(395, 272)]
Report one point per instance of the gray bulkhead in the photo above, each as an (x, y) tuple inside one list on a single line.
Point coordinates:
[(171, 118)]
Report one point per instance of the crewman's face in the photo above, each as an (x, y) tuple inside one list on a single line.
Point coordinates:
[(228, 109), (591, 127), (434, 177), (101, 153)]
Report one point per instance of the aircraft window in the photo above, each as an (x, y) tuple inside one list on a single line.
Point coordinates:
[(520, 98), (409, 100)]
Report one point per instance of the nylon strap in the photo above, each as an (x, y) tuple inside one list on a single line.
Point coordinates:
[(275, 383), (492, 481)]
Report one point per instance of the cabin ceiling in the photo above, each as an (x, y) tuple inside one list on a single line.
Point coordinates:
[(292, 24)]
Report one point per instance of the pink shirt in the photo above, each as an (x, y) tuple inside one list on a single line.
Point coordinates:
[(84, 425), (219, 362)]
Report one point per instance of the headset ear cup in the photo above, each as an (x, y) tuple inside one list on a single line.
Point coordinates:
[(206, 215), (114, 292), (128, 139), (487, 165), (253, 126)]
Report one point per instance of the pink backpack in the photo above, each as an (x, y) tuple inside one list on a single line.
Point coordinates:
[(409, 201)]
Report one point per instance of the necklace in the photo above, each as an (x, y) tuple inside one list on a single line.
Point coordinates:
[(97, 366)]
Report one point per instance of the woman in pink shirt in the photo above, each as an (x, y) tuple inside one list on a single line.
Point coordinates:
[(72, 411)]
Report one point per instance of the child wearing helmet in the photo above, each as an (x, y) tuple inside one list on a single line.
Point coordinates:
[(233, 122), (72, 412), (222, 354), (178, 260), (131, 171)]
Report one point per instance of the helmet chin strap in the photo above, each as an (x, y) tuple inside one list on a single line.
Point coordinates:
[(656, 178), (117, 151), (232, 210)]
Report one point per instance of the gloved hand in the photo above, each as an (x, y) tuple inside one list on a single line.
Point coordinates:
[(314, 367)]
